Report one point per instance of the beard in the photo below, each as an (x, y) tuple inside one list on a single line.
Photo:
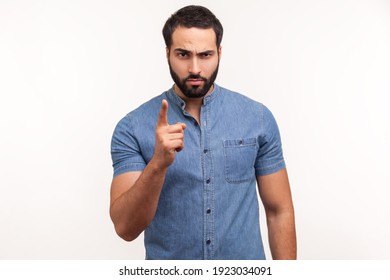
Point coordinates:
[(194, 91)]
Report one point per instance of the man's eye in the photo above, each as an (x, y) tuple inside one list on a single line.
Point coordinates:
[(205, 55), (182, 55)]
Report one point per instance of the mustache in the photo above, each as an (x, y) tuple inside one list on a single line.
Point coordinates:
[(195, 77)]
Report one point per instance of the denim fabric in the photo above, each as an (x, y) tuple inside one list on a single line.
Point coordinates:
[(208, 208)]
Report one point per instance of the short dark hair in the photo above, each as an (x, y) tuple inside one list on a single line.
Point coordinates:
[(192, 16)]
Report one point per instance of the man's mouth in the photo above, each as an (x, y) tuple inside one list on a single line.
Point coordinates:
[(195, 82)]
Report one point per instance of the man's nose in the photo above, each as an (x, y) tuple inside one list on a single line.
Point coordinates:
[(194, 67)]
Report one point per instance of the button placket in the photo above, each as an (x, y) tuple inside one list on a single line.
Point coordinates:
[(208, 187)]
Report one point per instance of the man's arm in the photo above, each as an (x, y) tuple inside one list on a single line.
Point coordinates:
[(275, 194), (135, 195)]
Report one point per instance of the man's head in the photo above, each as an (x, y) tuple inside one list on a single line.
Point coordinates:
[(192, 16), (193, 38)]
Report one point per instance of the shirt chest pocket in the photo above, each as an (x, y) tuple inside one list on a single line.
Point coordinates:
[(240, 155)]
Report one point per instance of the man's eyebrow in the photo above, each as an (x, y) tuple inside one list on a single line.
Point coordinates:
[(187, 51), (181, 50), (207, 52)]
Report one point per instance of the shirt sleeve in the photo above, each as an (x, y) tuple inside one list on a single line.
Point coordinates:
[(270, 155), (125, 151)]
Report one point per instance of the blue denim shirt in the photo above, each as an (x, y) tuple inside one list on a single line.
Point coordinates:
[(208, 208)]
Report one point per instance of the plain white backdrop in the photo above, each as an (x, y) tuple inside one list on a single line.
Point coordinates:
[(69, 70)]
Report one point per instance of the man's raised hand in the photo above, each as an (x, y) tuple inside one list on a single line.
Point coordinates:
[(169, 138)]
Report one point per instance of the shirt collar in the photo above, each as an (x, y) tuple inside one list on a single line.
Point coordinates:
[(175, 98), (214, 94)]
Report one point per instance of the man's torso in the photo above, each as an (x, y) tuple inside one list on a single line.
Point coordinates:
[(208, 208)]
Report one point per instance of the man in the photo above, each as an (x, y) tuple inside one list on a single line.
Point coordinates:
[(186, 163)]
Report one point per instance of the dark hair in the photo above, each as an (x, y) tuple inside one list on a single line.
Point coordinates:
[(192, 16)]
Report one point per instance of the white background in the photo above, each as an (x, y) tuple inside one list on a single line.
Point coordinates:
[(69, 70)]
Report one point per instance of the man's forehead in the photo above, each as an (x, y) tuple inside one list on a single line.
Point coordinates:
[(194, 38)]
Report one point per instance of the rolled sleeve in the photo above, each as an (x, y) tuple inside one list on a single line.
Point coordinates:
[(270, 155), (125, 150)]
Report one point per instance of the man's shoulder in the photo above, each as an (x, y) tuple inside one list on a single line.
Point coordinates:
[(145, 113), (148, 106), (235, 98)]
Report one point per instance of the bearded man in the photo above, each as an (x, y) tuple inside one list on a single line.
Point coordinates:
[(187, 162)]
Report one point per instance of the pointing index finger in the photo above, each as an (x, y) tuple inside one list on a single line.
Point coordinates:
[(163, 114)]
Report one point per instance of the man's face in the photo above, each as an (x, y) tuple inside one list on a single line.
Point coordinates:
[(193, 61)]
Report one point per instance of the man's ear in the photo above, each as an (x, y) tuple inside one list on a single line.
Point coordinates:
[(219, 52), (167, 52)]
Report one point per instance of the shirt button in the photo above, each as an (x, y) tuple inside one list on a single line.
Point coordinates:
[(208, 211), (205, 151), (208, 181), (208, 241)]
